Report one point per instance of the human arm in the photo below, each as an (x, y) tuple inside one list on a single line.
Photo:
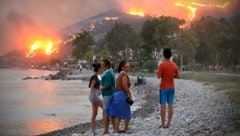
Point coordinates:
[(107, 81), (92, 90), (177, 73), (159, 75), (104, 88), (159, 72), (177, 76), (125, 85)]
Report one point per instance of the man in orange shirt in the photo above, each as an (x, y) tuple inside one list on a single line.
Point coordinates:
[(167, 71)]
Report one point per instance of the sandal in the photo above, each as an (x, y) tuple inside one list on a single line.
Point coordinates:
[(161, 126), (128, 132), (120, 131), (167, 126)]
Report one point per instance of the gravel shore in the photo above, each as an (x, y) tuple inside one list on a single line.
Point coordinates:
[(198, 110)]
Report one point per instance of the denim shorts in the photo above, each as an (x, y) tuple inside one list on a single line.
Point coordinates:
[(166, 96), (106, 101)]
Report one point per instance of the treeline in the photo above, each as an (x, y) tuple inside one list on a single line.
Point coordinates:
[(207, 42)]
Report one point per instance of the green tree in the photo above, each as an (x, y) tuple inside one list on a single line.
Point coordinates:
[(158, 32), (213, 38), (120, 40), (82, 44), (186, 45)]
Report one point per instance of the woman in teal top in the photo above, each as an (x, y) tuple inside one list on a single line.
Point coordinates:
[(108, 87)]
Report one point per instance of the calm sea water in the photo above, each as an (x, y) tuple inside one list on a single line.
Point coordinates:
[(35, 106)]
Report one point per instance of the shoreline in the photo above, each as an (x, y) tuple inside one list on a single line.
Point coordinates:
[(198, 110), (142, 110)]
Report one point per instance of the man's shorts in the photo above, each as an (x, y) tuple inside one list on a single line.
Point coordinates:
[(106, 101), (166, 96)]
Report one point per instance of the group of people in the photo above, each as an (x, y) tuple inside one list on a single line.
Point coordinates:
[(116, 94)]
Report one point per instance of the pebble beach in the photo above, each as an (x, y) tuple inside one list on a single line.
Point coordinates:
[(198, 110)]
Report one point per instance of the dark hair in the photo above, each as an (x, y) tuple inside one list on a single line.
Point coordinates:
[(96, 67), (107, 63), (167, 53), (121, 64)]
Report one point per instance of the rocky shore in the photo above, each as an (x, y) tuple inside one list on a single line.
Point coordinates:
[(198, 110)]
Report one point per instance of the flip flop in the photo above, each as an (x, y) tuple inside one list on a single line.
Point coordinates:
[(167, 126), (120, 131), (161, 126)]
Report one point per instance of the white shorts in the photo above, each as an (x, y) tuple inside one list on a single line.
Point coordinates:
[(97, 96)]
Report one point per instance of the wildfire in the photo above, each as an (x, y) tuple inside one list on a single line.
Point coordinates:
[(188, 9), (46, 46), (136, 12), (192, 10), (193, 6)]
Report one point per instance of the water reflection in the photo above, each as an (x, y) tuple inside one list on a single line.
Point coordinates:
[(31, 107), (42, 93), (44, 126)]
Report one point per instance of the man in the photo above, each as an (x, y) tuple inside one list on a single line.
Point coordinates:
[(108, 87), (167, 71)]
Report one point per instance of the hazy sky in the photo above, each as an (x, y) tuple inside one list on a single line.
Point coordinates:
[(54, 14), (22, 19)]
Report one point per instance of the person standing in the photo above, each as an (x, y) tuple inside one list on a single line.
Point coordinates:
[(122, 99), (94, 95), (108, 87), (80, 68), (167, 71)]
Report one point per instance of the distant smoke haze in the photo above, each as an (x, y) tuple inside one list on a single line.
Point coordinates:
[(20, 20)]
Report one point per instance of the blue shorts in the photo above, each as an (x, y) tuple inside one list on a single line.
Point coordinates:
[(166, 96)]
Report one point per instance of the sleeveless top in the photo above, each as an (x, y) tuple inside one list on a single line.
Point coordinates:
[(95, 77), (119, 83)]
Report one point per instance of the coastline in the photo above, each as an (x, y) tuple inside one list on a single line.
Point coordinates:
[(198, 110), (141, 109)]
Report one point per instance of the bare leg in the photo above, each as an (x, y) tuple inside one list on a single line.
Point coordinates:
[(163, 113), (94, 114), (100, 104), (170, 114), (116, 125), (126, 124), (106, 122), (113, 122)]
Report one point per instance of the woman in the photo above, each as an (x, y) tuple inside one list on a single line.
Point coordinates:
[(94, 96), (119, 107), (108, 87)]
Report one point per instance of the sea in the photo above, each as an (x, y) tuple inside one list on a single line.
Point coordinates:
[(36, 106)]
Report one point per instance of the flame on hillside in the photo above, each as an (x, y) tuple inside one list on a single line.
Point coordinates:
[(45, 46), (136, 12), (183, 9)]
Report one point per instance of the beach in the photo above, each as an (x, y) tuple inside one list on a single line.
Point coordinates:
[(198, 110)]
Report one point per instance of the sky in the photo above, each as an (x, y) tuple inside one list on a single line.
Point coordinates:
[(43, 14), (22, 19)]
